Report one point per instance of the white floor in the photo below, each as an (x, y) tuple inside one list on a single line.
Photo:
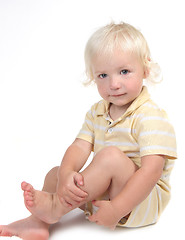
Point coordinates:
[(75, 226)]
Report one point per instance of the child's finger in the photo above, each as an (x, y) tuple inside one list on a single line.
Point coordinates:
[(65, 203), (75, 198), (92, 218), (96, 203), (79, 192), (79, 179), (71, 201)]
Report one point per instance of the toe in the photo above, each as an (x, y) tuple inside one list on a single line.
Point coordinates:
[(29, 203), (4, 232), (28, 198), (27, 193), (26, 186)]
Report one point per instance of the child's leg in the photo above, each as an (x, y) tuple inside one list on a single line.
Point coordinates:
[(32, 228), (109, 170)]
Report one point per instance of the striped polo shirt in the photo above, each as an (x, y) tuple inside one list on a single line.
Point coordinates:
[(143, 129)]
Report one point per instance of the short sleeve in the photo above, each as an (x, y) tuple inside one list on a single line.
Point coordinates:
[(87, 130), (155, 134)]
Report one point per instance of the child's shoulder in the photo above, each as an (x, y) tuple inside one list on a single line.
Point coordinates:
[(150, 109), (99, 107)]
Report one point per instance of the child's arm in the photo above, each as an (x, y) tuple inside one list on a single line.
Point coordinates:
[(73, 160), (139, 185), (135, 191)]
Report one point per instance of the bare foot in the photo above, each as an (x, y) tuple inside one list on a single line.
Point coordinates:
[(27, 229), (43, 205)]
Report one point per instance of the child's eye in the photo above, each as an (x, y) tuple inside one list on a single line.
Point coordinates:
[(103, 75), (124, 72)]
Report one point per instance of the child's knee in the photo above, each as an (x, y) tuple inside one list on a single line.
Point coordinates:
[(112, 151), (110, 156)]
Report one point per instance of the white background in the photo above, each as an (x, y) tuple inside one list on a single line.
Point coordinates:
[(43, 101)]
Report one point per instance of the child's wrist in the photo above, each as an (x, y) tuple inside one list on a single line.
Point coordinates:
[(64, 172), (119, 211), (65, 169)]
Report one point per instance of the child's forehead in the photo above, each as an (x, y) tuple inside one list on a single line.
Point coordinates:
[(117, 54), (119, 59)]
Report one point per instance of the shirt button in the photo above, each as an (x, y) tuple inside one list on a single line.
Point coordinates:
[(110, 130)]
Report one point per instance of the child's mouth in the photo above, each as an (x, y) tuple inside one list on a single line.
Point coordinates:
[(118, 95)]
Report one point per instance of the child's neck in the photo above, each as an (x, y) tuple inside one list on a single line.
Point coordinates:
[(116, 112)]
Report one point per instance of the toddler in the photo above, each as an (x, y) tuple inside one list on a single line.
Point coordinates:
[(127, 182)]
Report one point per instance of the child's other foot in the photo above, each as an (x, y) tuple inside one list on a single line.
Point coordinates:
[(29, 228), (43, 205)]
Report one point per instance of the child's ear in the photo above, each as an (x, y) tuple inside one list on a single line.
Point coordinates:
[(146, 72)]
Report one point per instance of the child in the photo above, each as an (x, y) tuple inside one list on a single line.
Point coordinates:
[(127, 182)]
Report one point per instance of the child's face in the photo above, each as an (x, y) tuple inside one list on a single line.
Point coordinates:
[(119, 78)]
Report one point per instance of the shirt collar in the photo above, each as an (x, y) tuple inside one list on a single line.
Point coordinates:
[(103, 108)]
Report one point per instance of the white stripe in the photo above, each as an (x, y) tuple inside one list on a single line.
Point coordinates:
[(127, 130), (158, 192), (86, 133), (136, 154), (135, 116), (99, 127), (165, 176), (147, 211), (166, 188), (91, 113), (156, 214), (169, 166), (156, 132), (96, 126), (100, 142), (154, 118), (133, 217), (159, 202), (157, 147), (150, 105), (128, 144), (89, 122)]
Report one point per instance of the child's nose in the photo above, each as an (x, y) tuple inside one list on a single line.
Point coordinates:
[(115, 83)]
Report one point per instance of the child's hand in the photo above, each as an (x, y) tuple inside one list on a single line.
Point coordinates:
[(105, 215), (69, 190)]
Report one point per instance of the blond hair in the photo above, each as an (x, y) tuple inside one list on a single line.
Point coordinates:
[(123, 37)]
